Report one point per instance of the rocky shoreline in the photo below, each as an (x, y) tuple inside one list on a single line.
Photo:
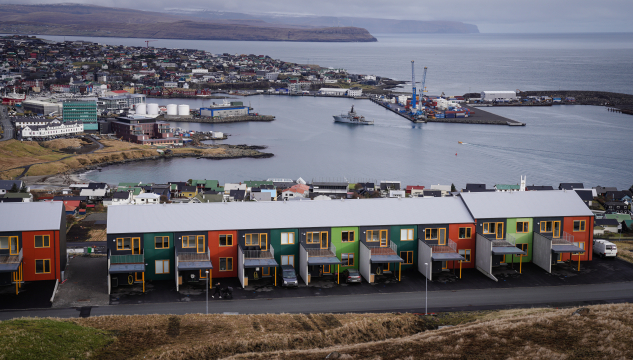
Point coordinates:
[(74, 176)]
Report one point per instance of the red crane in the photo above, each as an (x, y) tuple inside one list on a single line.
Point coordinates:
[(149, 41)]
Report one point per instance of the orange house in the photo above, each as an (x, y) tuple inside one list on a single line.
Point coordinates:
[(223, 249), (32, 242), (464, 236)]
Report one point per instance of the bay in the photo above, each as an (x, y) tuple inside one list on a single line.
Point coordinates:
[(559, 144)]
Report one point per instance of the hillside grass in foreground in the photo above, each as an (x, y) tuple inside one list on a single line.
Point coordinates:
[(49, 339)]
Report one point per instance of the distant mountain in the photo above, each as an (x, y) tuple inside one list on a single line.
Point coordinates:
[(88, 20), (373, 25)]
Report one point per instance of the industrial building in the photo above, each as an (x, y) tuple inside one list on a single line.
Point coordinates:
[(46, 128), (116, 103), (32, 242), (143, 130), (42, 107), (498, 96), (234, 108), (84, 111)]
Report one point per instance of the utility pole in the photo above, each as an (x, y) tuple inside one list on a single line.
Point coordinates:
[(426, 290), (207, 291)]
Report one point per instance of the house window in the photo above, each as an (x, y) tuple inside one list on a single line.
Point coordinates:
[(226, 264), (407, 256), (551, 226), (580, 245), (435, 234), (314, 237), (9, 242), (256, 240), (287, 238), (465, 232), (372, 236), (161, 242), (124, 243), (203, 274), (579, 225), (226, 240), (188, 242), (288, 260), (162, 266), (466, 254), (347, 259), (523, 247), (523, 226), (406, 235), (42, 241), (348, 236), (43, 266), (494, 228)]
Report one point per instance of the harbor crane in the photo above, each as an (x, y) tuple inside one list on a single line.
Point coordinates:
[(149, 41), (413, 103), (423, 83)]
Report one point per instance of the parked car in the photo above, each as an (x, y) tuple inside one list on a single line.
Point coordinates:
[(604, 248), (351, 276), (289, 276)]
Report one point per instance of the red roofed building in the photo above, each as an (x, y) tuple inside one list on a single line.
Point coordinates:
[(295, 191), (414, 189)]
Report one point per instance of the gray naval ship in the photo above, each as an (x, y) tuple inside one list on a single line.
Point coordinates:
[(352, 118)]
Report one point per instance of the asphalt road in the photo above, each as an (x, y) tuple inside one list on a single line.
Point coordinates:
[(576, 295), (6, 124)]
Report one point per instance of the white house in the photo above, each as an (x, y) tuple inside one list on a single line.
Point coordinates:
[(296, 191), (147, 198), (445, 189), (355, 92), (93, 194), (231, 186), (397, 193), (53, 128), (121, 198), (333, 91)]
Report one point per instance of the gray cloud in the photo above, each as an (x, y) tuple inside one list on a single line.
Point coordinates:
[(501, 16)]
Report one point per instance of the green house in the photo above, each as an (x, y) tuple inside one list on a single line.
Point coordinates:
[(286, 245), (522, 229), (346, 240), (159, 256), (405, 237)]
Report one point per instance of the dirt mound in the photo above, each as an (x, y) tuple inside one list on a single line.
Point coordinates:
[(59, 144)]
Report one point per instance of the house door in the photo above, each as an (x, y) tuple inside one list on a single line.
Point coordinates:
[(556, 229), (325, 244), (136, 245), (266, 271), (138, 276), (326, 269), (383, 238), (263, 242), (13, 246)]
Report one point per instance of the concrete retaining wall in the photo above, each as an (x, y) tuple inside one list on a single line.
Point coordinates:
[(542, 252)]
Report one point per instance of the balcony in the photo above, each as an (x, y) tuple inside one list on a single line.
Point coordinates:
[(126, 263), (10, 263), (193, 261)]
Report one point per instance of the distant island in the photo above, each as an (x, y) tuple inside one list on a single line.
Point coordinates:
[(89, 20)]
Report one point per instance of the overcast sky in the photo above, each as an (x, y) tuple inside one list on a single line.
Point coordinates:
[(491, 16)]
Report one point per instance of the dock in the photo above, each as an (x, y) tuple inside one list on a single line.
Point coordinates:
[(396, 110), (482, 117)]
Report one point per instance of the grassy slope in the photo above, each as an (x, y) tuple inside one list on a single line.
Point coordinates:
[(48, 161), (49, 339), (506, 334)]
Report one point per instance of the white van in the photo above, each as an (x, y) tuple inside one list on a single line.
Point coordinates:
[(604, 248)]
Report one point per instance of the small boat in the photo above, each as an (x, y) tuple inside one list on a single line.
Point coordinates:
[(459, 142), (352, 118)]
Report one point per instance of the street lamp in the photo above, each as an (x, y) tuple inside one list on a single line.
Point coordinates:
[(207, 271), (426, 290)]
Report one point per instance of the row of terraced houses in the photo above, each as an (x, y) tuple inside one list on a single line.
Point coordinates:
[(379, 237)]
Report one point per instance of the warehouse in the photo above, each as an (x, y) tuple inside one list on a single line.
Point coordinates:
[(234, 108), (42, 107), (498, 96)]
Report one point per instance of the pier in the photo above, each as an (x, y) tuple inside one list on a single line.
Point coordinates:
[(395, 109), (221, 120)]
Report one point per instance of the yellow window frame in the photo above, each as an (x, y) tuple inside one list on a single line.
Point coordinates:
[(370, 234), (44, 261), (525, 227), (203, 274), (313, 237), (327, 240), (410, 234), (201, 239), (291, 259), (524, 247), (228, 239), (10, 240), (554, 234), (120, 243), (468, 232), (352, 232), (227, 263), (249, 241), (467, 255), (348, 258), (288, 236), (46, 241), (263, 237), (581, 225), (189, 242), (408, 255), (162, 242), (163, 261), (266, 271), (428, 234)]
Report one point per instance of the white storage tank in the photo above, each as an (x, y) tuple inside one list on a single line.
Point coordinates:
[(141, 109), (183, 110), (172, 109), (152, 109)]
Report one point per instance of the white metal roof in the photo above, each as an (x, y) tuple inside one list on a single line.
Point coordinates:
[(290, 214), (31, 216), (528, 204)]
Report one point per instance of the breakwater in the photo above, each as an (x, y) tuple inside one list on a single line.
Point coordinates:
[(232, 119)]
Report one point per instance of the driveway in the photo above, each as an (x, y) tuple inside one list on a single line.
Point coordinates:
[(86, 283)]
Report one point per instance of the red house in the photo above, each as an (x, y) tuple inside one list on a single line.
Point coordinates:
[(223, 249), (32, 242)]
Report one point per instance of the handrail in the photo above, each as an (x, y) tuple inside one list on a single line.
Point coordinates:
[(451, 246), (127, 259)]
